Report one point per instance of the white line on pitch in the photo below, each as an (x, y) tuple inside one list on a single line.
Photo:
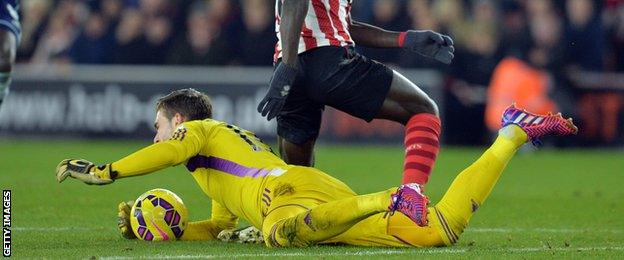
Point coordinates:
[(58, 229), (374, 252), (543, 230)]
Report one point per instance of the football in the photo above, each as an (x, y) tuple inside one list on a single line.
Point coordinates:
[(158, 215)]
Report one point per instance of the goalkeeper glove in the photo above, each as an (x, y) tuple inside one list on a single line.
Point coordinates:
[(85, 171), (429, 44), (247, 235), (279, 87), (123, 220)]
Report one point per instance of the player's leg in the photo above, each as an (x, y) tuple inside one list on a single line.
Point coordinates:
[(309, 206), (449, 217), (473, 185), (397, 230), (404, 100), (8, 46), (297, 154), (298, 225), (467, 193), (298, 124), (409, 105), (368, 89)]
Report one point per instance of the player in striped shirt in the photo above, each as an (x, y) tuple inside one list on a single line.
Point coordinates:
[(316, 65)]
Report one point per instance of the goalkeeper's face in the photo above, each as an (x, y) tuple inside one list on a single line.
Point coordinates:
[(166, 126)]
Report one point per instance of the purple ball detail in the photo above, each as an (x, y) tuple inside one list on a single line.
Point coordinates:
[(138, 205), (141, 231), (148, 236), (139, 215), (150, 197), (177, 231), (165, 204), (176, 219), (169, 217), (155, 202)]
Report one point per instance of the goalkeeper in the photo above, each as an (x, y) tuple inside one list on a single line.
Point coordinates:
[(302, 206)]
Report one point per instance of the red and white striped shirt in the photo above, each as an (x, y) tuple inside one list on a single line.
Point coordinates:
[(326, 24)]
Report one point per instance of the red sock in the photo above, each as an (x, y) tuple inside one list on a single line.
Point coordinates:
[(422, 144)]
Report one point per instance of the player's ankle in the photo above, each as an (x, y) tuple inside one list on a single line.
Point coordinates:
[(514, 134), (379, 201)]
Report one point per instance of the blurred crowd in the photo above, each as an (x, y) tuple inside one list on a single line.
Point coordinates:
[(539, 41), (216, 32)]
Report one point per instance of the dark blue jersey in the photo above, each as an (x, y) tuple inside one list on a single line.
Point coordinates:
[(9, 17)]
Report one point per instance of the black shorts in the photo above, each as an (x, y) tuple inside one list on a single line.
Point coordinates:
[(335, 76)]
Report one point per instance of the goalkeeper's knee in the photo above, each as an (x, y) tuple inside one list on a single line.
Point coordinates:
[(285, 233)]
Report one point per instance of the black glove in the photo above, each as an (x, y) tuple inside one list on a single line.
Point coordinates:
[(281, 83), (430, 44)]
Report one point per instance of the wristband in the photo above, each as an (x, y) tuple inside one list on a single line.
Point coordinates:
[(401, 39)]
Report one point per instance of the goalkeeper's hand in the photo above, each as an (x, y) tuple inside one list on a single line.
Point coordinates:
[(84, 171), (123, 220), (279, 87), (247, 235)]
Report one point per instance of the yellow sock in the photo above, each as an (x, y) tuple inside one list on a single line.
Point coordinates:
[(473, 185), (330, 219)]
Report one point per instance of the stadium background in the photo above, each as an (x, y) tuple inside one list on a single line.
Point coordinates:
[(569, 41), (89, 71)]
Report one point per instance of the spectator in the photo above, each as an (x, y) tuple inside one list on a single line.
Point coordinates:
[(422, 18), (158, 36), (258, 41), (93, 44), (34, 19), (130, 41), (584, 35), (472, 69), (517, 81), (618, 39), (201, 46), (111, 11), (451, 18), (153, 8), (515, 33), (225, 14), (387, 14), (56, 41), (615, 21)]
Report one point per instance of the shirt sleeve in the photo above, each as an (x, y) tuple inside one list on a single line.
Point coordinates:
[(186, 142), (221, 219)]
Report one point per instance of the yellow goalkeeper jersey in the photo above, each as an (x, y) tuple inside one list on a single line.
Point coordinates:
[(231, 165)]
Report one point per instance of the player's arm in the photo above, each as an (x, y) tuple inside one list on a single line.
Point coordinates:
[(220, 220), (372, 36), (293, 15), (425, 42), (186, 143)]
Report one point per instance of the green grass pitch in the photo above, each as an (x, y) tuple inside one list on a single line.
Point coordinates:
[(549, 203)]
